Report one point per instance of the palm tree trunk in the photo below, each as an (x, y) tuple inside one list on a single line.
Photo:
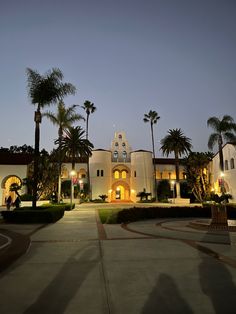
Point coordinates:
[(177, 175), (221, 158), (37, 119), (88, 172), (59, 167), (154, 162)]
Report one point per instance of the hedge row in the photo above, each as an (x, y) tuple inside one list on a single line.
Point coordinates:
[(44, 214), (137, 213)]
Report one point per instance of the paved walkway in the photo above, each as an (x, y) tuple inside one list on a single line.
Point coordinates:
[(80, 266)]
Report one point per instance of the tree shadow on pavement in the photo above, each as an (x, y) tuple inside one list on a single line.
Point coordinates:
[(61, 290), (165, 298), (216, 279)]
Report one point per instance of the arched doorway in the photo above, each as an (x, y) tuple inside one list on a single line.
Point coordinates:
[(6, 183), (120, 192)]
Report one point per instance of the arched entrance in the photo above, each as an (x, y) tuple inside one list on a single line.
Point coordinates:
[(6, 183), (120, 192)]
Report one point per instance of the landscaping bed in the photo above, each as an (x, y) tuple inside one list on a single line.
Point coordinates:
[(43, 214), (143, 213)]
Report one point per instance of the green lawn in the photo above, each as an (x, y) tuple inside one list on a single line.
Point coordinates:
[(108, 215)]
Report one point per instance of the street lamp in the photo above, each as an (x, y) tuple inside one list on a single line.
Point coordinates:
[(222, 183), (172, 187), (72, 174)]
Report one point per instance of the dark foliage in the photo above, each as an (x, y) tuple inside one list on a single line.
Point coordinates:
[(136, 213)]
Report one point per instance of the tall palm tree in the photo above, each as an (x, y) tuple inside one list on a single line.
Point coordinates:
[(222, 131), (89, 109), (63, 118), (74, 145), (176, 142), (44, 90), (152, 117)]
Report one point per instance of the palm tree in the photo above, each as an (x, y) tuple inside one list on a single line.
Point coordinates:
[(222, 131), (89, 109), (63, 118), (175, 142), (74, 145), (152, 117), (44, 90)]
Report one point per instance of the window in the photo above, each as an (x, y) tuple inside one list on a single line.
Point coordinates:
[(83, 176), (124, 154), (101, 173), (98, 173), (135, 174), (123, 144), (232, 163), (115, 154), (116, 144), (123, 174), (120, 136), (226, 165), (116, 174)]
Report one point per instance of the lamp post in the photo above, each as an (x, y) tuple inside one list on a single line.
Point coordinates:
[(72, 174), (222, 184), (172, 187)]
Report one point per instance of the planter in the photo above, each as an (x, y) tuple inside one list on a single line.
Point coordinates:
[(219, 216)]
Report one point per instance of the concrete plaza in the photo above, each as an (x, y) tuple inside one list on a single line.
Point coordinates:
[(78, 265)]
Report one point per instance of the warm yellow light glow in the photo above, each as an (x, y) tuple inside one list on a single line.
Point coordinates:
[(118, 188), (132, 191), (116, 174), (109, 191), (222, 174), (123, 174), (73, 173)]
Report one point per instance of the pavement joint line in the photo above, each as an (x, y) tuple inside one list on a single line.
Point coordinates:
[(103, 236), (9, 241), (195, 244), (188, 231), (63, 241), (100, 228)]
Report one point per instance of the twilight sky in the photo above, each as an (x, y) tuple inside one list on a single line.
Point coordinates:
[(177, 57)]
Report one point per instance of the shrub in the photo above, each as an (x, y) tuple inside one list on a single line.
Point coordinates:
[(44, 214), (135, 214), (26, 197)]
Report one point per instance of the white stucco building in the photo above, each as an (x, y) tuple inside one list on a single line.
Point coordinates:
[(228, 177), (119, 172)]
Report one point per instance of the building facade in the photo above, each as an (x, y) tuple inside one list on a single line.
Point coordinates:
[(119, 173), (228, 177)]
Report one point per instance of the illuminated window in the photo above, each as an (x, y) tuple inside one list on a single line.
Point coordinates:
[(123, 174), (116, 174), (226, 165), (232, 163)]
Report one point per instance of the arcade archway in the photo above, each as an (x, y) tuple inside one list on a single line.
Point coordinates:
[(120, 192), (6, 183)]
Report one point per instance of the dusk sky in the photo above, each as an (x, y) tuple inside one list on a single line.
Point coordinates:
[(177, 57)]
